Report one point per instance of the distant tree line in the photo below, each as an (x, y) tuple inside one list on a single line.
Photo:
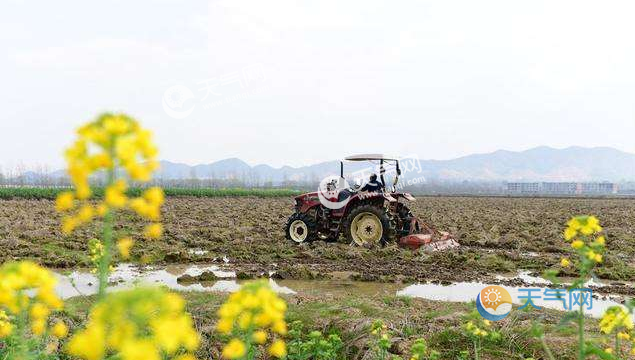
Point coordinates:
[(41, 177)]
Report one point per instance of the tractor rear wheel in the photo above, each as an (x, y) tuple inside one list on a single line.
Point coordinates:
[(367, 225), (301, 228)]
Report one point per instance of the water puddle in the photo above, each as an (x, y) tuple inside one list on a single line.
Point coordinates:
[(467, 291), (197, 252), (80, 282)]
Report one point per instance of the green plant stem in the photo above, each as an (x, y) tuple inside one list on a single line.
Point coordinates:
[(618, 346), (104, 261), (476, 348), (106, 258), (23, 350), (581, 353)]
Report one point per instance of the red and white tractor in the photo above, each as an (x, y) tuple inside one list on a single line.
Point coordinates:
[(365, 218)]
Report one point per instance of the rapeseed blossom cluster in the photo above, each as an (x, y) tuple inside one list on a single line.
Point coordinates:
[(142, 323), (18, 278), (115, 145), (420, 351), (475, 330), (584, 232), (6, 328), (616, 319), (96, 252), (252, 317), (381, 339)]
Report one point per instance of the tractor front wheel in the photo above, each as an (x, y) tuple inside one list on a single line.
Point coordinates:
[(300, 228), (367, 225)]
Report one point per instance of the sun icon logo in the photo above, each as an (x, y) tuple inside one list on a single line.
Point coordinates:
[(492, 297), (494, 303)]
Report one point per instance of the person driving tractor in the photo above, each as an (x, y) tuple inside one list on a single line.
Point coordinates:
[(373, 185)]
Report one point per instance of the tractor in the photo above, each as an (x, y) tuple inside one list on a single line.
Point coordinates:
[(364, 218)]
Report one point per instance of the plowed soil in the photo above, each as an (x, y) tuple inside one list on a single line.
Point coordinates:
[(498, 235)]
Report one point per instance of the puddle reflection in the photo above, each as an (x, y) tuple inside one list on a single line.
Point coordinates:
[(79, 283), (467, 291)]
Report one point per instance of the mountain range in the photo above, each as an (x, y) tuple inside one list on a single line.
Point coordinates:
[(537, 164)]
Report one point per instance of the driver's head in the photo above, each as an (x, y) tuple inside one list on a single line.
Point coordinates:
[(373, 177)]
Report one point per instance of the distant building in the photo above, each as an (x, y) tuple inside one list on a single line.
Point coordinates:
[(562, 188), (597, 188), (566, 188), (524, 188)]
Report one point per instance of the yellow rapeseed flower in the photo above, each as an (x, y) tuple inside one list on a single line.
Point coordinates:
[(260, 337), (586, 225), (601, 240), (85, 213), (138, 323), (39, 311), (124, 245), (139, 350), (154, 195), (153, 231), (6, 328), (253, 311), (235, 349), (224, 326), (82, 190), (115, 197), (116, 125), (69, 223), (64, 201), (38, 326), (88, 344), (15, 279), (112, 141), (102, 209), (577, 244), (570, 233), (278, 349), (145, 208), (100, 161), (564, 262), (59, 330), (279, 327), (616, 318)]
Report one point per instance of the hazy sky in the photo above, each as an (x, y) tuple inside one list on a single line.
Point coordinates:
[(297, 82)]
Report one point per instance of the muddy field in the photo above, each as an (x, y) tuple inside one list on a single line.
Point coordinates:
[(498, 235), (441, 324)]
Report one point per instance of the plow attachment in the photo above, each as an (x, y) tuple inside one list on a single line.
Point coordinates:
[(423, 235)]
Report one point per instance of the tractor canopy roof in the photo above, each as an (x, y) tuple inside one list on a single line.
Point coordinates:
[(366, 157)]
